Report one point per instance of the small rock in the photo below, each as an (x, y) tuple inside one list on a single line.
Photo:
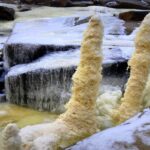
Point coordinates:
[(113, 4), (24, 8), (7, 13), (82, 3)]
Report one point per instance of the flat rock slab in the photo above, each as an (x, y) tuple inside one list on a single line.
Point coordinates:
[(32, 39), (131, 135)]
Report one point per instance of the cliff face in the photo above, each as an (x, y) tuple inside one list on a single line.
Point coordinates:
[(131, 103), (79, 121)]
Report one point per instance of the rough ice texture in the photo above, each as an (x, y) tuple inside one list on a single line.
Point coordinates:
[(131, 103), (131, 135), (79, 121), (45, 83), (32, 39), (42, 89)]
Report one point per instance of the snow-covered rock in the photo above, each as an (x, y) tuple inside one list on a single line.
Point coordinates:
[(32, 39), (44, 84), (133, 134)]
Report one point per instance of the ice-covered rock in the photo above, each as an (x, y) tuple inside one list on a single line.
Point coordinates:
[(45, 53), (32, 39), (131, 135), (45, 83)]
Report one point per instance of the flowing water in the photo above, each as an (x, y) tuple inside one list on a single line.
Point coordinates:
[(22, 116)]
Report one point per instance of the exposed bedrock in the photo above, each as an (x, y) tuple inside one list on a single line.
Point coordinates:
[(130, 135)]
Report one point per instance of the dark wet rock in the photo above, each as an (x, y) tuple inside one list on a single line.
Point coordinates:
[(115, 69), (82, 3), (102, 2), (2, 86), (148, 1), (2, 78), (78, 20), (60, 3), (97, 2), (133, 15), (7, 13), (132, 4), (9, 1), (133, 134), (136, 4), (23, 8), (112, 4), (55, 3), (1, 70), (2, 98)]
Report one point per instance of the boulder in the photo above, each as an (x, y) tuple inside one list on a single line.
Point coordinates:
[(133, 134), (136, 4), (7, 13), (133, 15)]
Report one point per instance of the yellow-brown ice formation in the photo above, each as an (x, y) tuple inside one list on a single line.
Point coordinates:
[(79, 121), (131, 103)]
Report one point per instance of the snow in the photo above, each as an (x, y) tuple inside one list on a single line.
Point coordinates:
[(124, 134), (59, 31)]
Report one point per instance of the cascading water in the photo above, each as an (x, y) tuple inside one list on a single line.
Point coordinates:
[(44, 84), (45, 53)]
